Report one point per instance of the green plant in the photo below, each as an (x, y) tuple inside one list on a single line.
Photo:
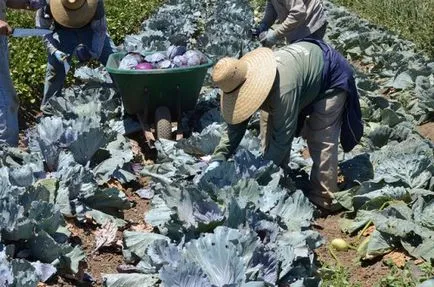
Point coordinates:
[(412, 19), (336, 276)]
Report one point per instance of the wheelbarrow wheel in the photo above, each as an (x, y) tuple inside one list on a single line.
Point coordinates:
[(163, 123)]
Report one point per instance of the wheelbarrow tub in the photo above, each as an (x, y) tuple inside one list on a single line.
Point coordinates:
[(178, 89)]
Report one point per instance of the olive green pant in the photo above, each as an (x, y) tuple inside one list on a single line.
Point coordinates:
[(321, 130)]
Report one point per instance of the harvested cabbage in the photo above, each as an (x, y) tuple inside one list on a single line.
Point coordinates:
[(174, 51), (155, 58), (166, 64), (180, 61), (144, 66), (130, 61)]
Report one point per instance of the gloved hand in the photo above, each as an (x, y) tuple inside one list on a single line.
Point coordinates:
[(213, 165), (268, 39), (256, 31), (60, 56), (83, 53)]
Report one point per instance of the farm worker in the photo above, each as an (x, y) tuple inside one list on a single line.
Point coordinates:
[(308, 78), (297, 19), (80, 28), (8, 97)]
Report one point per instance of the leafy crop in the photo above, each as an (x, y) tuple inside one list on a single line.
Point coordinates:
[(410, 19), (243, 223), (391, 181)]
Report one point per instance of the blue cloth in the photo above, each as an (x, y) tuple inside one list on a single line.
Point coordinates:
[(8, 97), (338, 74)]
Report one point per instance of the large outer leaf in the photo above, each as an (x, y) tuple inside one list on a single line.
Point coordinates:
[(162, 253), (49, 132), (203, 143), (409, 162), (214, 254), (45, 216), (44, 271), (6, 275), (245, 191), (416, 239), (120, 153), (21, 176), (87, 144), (44, 248), (379, 244), (295, 212), (134, 279), (294, 251), (138, 242), (159, 215), (107, 199), (186, 274), (423, 211), (24, 273)]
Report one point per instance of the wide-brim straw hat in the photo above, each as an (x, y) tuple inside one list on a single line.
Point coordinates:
[(245, 83), (73, 13)]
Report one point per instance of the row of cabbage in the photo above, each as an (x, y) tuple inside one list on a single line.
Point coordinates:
[(389, 179), (201, 221)]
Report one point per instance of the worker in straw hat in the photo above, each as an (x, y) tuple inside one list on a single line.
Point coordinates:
[(304, 84), (80, 29)]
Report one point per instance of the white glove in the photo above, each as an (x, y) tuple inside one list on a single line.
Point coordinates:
[(62, 58), (212, 165)]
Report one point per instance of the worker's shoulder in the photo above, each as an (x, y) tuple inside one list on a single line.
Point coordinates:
[(298, 49)]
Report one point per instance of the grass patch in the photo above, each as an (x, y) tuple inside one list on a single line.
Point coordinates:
[(28, 56), (412, 19), (336, 276)]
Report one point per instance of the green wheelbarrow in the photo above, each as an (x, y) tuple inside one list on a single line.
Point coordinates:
[(158, 96)]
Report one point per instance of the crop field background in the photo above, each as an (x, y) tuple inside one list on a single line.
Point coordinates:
[(108, 213)]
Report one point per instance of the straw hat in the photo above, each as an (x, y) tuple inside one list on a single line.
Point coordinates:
[(245, 83), (73, 13)]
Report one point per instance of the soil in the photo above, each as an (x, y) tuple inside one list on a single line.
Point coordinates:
[(427, 130), (367, 274)]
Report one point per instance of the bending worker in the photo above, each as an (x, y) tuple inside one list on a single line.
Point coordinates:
[(80, 28), (307, 78), (8, 97), (297, 19)]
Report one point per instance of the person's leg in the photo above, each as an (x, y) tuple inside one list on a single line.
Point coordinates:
[(263, 127), (322, 131), (8, 99), (109, 48), (66, 41), (54, 81), (8, 116)]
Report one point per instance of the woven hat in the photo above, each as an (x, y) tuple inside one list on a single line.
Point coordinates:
[(245, 83), (73, 13)]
